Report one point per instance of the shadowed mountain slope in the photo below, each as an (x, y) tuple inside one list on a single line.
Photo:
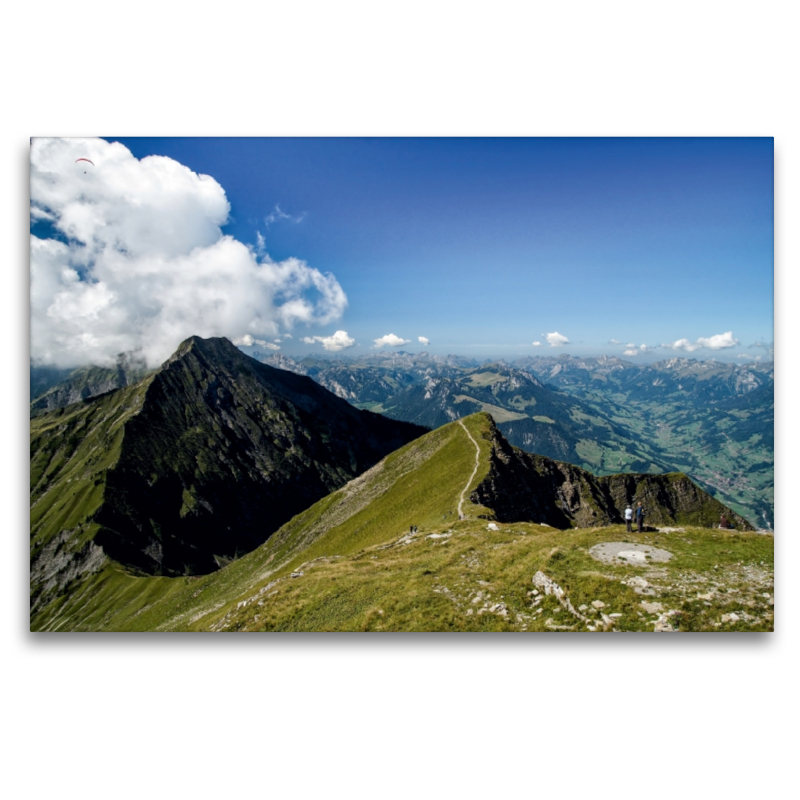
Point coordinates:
[(198, 463), (523, 486)]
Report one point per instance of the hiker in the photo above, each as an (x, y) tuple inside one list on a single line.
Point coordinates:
[(723, 522), (640, 516), (628, 517)]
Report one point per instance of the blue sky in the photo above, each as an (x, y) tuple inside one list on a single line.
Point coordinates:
[(485, 246)]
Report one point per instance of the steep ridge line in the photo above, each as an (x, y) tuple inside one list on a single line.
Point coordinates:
[(474, 472)]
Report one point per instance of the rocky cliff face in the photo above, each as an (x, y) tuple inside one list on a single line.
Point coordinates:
[(521, 486)]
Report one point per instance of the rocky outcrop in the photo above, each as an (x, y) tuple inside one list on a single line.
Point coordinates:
[(62, 560), (522, 486)]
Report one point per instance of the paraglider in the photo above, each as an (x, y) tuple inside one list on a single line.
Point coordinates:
[(84, 159)]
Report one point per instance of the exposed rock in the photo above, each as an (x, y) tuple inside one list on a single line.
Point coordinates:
[(522, 486), (625, 552), (552, 588), (663, 624), (61, 561)]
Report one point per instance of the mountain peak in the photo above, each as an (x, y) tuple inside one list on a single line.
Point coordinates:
[(196, 464), (214, 346)]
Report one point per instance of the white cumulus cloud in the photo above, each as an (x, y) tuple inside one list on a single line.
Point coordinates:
[(248, 341), (634, 351), (685, 345), (390, 340), (555, 339), (719, 341), (135, 259), (338, 341), (424, 340), (537, 344)]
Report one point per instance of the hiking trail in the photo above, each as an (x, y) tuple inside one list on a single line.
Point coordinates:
[(474, 471)]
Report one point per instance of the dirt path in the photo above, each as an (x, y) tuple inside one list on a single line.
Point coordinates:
[(474, 471)]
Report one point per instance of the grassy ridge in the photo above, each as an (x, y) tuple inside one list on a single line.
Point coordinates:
[(476, 579), (461, 577), (348, 563), (420, 484)]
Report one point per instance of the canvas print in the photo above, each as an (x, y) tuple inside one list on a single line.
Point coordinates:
[(519, 385)]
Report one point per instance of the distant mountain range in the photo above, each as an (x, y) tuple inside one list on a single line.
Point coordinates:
[(713, 421)]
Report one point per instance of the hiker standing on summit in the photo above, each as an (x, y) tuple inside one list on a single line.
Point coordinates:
[(628, 517), (640, 516)]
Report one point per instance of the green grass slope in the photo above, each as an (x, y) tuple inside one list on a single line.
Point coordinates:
[(467, 577), (419, 484), (349, 563), (72, 451)]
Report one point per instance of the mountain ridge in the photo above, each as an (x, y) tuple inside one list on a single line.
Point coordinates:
[(420, 484), (194, 465)]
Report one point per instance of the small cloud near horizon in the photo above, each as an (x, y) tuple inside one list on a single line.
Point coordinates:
[(249, 341), (338, 341), (390, 340), (424, 340), (555, 339), (720, 341), (634, 351), (536, 344), (769, 347)]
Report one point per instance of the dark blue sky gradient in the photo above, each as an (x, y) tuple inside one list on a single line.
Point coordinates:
[(484, 245)]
